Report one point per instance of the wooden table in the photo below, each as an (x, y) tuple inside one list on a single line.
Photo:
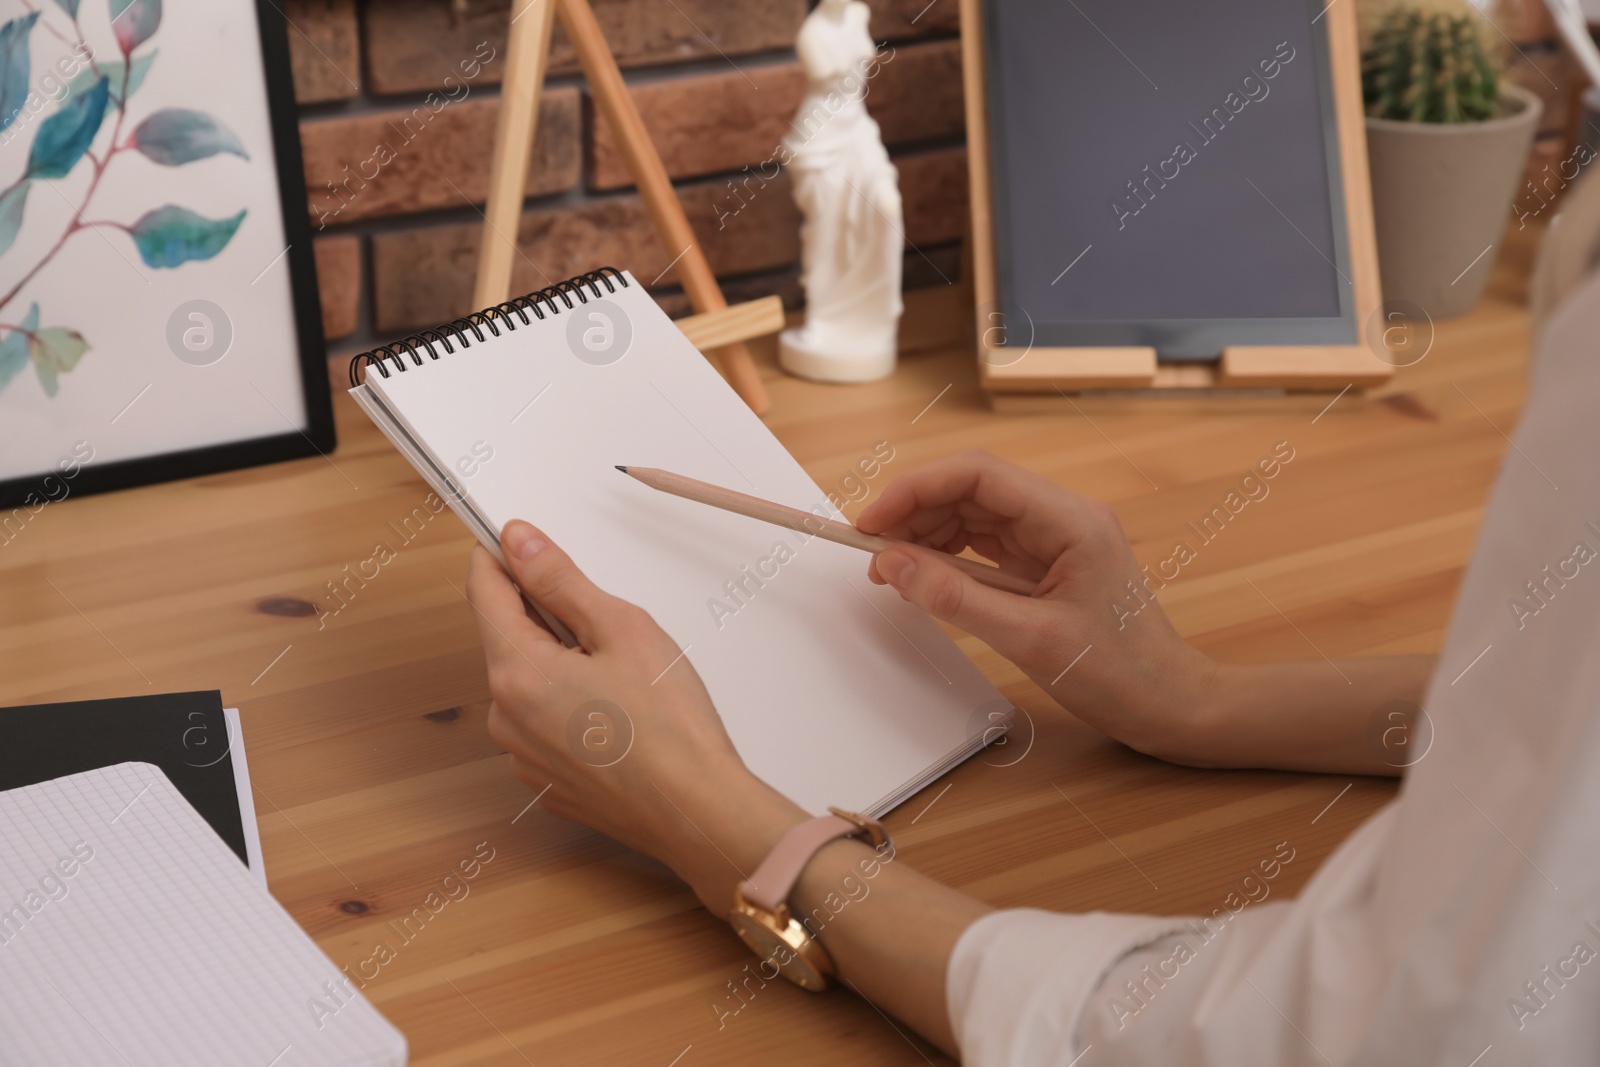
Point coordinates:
[(375, 777)]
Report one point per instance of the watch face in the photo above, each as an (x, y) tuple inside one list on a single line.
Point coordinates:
[(778, 954)]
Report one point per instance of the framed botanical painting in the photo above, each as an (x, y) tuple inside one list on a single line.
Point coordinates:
[(158, 305)]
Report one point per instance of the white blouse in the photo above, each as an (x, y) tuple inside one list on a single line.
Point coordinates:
[(1460, 925)]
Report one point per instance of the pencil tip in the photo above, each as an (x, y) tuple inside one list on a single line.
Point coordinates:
[(621, 468)]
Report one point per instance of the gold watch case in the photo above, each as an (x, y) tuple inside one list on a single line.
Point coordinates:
[(781, 941)]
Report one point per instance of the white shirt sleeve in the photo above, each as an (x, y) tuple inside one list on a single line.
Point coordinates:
[(1019, 980), (1461, 919)]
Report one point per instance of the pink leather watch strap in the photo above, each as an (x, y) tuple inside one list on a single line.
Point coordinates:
[(773, 881)]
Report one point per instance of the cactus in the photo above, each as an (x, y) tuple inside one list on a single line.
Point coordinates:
[(1428, 67)]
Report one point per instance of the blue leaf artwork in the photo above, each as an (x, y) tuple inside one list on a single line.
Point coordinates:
[(65, 136), (112, 69), (95, 97), (171, 236), (14, 66), (14, 347), (175, 135), (134, 21), (12, 201)]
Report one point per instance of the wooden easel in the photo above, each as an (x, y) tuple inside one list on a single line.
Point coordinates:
[(717, 328)]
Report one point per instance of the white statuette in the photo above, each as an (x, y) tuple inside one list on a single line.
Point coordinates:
[(848, 192)]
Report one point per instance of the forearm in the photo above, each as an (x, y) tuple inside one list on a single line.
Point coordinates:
[(889, 929), (1356, 716), (890, 934)]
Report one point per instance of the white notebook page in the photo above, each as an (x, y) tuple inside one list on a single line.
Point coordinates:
[(130, 933), (834, 690)]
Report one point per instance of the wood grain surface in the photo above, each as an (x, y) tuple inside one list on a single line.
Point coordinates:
[(376, 780)]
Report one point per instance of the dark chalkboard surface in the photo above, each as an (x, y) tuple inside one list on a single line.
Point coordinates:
[(1167, 173)]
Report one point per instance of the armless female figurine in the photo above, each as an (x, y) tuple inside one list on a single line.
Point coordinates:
[(851, 238)]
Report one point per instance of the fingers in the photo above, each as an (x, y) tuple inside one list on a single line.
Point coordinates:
[(550, 578), (503, 624), (983, 494), (927, 580), (970, 475)]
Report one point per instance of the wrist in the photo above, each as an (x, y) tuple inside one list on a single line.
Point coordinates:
[(735, 824), (1193, 714), (1175, 716), (839, 871)]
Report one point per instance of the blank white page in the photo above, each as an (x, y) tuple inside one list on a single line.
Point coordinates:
[(130, 933), (834, 690)]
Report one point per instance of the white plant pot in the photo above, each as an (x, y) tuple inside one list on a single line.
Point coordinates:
[(1440, 196)]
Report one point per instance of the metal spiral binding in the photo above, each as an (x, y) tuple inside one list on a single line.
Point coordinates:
[(465, 331)]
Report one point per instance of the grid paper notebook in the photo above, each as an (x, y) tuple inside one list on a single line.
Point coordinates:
[(131, 934), (834, 691), (196, 742)]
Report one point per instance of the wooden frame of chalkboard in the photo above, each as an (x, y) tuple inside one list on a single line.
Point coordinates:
[(1064, 369)]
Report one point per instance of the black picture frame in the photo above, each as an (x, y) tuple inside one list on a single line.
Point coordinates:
[(318, 436)]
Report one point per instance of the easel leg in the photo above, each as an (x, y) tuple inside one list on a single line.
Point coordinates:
[(699, 284), (526, 56)]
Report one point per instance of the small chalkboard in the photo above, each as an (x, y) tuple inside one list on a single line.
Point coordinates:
[(1169, 193)]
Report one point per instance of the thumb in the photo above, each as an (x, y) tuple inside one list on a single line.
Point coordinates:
[(925, 578), (548, 577)]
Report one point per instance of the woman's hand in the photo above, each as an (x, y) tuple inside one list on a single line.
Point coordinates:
[(621, 730), (658, 773), (1129, 675)]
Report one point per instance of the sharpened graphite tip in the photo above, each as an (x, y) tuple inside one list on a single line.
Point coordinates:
[(621, 468)]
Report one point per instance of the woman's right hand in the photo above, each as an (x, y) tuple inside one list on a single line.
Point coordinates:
[(1081, 636)]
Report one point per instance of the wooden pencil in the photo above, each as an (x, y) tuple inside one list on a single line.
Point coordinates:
[(805, 522)]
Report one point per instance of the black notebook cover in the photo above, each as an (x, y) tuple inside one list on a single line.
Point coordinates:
[(185, 734)]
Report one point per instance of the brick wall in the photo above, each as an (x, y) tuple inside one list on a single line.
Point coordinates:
[(1540, 62), (398, 100)]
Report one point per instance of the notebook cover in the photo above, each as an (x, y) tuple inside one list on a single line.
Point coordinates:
[(185, 734), (129, 934)]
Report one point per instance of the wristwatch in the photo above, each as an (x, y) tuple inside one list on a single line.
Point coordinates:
[(761, 915)]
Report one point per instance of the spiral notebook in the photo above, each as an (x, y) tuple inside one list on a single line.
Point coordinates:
[(834, 690), (131, 934)]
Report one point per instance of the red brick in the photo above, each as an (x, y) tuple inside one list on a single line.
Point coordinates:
[(1551, 168), (704, 123), (1555, 78), (757, 231), (929, 267), (422, 277), (324, 49), (896, 19), (917, 94), (727, 120), (339, 282), (1525, 21), (447, 158), (933, 194), (410, 42)]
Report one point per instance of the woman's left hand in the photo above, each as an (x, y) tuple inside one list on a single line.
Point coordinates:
[(621, 730)]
